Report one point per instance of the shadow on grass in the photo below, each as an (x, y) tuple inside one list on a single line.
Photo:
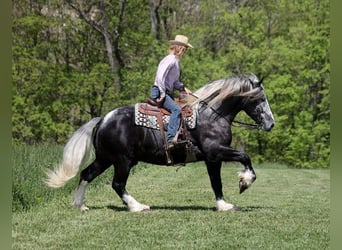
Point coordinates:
[(115, 208), (155, 208), (255, 208), (185, 208)]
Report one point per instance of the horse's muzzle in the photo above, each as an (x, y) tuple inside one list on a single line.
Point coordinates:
[(267, 126)]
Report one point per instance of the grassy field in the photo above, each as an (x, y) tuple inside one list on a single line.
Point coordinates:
[(284, 209)]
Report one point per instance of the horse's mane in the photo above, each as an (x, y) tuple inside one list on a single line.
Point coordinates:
[(219, 90)]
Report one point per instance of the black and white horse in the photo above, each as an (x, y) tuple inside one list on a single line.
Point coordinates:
[(119, 142)]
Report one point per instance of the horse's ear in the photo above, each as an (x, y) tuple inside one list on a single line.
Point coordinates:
[(254, 83), (260, 82)]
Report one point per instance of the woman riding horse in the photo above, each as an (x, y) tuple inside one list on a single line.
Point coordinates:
[(118, 141), (167, 79)]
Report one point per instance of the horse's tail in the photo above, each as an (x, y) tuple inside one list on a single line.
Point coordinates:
[(76, 152)]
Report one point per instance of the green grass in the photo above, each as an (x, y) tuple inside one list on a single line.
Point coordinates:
[(284, 209)]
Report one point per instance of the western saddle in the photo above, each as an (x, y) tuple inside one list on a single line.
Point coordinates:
[(182, 137)]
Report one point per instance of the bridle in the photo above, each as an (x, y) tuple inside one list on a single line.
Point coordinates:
[(246, 125), (240, 124)]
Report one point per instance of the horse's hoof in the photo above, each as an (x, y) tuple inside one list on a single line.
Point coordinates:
[(142, 208), (243, 186), (233, 209), (84, 208), (247, 177), (224, 206), (80, 207)]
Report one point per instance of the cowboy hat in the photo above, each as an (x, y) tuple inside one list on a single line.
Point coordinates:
[(181, 40)]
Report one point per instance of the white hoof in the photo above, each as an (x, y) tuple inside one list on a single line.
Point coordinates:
[(82, 207), (133, 205), (224, 206), (139, 208), (247, 177)]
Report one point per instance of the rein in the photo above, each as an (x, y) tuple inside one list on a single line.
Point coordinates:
[(246, 125), (240, 124)]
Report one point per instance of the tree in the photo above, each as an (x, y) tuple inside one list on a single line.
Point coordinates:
[(96, 14), (73, 60)]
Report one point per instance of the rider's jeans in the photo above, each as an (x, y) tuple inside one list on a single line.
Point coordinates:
[(175, 115)]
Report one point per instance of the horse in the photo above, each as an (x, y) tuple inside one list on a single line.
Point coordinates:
[(118, 141)]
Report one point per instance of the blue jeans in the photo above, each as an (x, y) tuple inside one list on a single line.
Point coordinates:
[(175, 115)]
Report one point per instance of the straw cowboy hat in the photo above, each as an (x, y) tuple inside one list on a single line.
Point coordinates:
[(181, 40)]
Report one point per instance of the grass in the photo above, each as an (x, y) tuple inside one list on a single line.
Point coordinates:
[(284, 209), (28, 173)]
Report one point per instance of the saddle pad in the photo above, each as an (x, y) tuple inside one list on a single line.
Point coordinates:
[(150, 121)]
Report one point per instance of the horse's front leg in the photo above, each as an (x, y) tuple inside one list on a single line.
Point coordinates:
[(246, 176), (214, 171)]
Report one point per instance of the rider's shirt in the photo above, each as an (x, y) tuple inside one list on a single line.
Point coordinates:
[(167, 78)]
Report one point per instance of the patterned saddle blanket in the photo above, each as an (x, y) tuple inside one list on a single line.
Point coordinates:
[(146, 115)]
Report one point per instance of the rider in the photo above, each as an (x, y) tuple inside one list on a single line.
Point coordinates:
[(167, 79)]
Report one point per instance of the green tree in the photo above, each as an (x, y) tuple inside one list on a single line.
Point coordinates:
[(74, 60)]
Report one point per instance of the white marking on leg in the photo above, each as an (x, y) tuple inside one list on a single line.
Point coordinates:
[(133, 205), (224, 206), (247, 176), (79, 196)]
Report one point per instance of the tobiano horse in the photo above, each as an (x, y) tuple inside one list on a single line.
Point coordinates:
[(117, 141)]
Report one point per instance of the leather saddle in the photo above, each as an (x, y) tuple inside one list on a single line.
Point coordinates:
[(150, 108)]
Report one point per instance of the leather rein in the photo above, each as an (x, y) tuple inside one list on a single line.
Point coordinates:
[(240, 124)]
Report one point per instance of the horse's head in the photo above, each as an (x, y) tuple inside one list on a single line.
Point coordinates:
[(257, 107), (222, 95)]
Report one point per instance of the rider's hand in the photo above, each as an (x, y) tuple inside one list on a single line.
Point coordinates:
[(188, 91), (160, 101)]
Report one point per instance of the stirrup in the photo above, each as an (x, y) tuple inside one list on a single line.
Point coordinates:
[(169, 159)]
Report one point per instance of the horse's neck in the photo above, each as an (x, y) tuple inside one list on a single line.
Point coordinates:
[(230, 107)]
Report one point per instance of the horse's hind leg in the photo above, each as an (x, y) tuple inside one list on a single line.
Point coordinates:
[(87, 175), (121, 174)]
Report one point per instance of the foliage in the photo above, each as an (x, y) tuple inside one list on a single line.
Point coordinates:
[(74, 60)]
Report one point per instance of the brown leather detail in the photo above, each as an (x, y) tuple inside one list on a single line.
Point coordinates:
[(186, 111), (152, 102), (148, 109), (169, 159)]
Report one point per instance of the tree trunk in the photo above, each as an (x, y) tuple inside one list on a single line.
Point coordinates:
[(111, 39), (155, 18)]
